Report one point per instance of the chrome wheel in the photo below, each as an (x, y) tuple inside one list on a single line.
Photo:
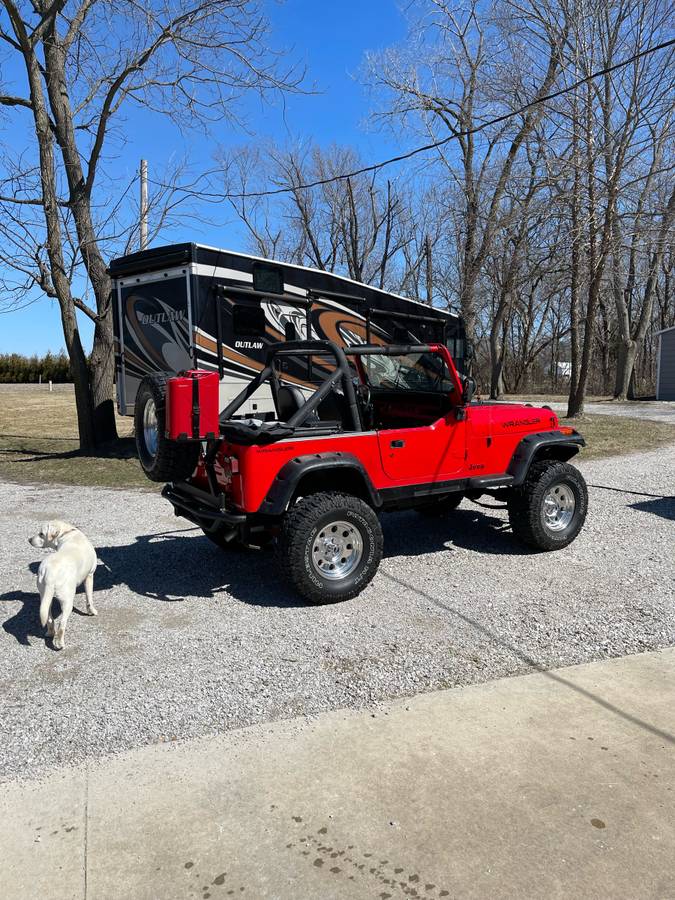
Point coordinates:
[(337, 550), (558, 508), (150, 434)]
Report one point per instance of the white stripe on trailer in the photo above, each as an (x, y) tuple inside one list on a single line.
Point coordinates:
[(149, 277)]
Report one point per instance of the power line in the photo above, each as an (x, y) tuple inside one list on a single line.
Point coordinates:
[(374, 167)]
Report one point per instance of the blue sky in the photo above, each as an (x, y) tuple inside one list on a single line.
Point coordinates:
[(330, 39)]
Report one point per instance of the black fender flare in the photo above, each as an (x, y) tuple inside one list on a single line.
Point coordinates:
[(292, 472), (542, 444)]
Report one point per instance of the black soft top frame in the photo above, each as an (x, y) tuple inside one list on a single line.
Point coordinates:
[(243, 432)]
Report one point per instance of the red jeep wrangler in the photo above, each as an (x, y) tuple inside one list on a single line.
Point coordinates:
[(394, 428)]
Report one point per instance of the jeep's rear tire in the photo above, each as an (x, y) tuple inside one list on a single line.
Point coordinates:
[(160, 458), (549, 509), (441, 507), (330, 547)]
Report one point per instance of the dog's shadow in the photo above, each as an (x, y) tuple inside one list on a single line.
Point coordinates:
[(25, 623)]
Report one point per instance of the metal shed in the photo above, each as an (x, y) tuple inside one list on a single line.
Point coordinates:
[(665, 372)]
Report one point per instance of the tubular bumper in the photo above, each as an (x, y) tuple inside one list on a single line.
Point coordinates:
[(204, 509)]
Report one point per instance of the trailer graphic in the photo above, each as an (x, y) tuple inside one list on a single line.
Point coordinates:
[(190, 306)]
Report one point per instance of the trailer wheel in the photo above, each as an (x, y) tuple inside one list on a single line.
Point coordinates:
[(330, 547), (160, 458)]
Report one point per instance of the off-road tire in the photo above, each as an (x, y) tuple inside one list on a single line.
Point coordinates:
[(172, 461), (526, 505), (301, 527), (440, 507)]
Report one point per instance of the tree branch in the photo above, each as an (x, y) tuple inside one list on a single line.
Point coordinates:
[(6, 100)]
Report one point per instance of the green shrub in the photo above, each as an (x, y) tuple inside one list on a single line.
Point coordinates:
[(17, 369)]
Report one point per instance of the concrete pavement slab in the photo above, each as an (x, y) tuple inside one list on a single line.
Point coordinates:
[(558, 784), (43, 833)]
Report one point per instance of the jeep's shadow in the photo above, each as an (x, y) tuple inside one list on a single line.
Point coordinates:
[(662, 506), (469, 527), (175, 565)]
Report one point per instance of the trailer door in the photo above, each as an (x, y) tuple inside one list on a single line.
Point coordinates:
[(156, 327)]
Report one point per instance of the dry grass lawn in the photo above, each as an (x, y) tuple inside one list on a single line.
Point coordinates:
[(38, 440), (614, 435)]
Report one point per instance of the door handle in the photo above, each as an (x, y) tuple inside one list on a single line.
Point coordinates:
[(397, 444)]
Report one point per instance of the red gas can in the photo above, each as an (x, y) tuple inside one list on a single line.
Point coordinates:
[(192, 406)]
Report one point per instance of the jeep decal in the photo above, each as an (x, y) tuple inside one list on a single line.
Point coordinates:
[(521, 423)]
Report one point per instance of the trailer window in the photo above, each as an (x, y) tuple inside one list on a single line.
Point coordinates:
[(268, 279), (248, 321), (409, 372)]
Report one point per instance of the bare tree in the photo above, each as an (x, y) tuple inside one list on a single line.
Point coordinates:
[(621, 130), (361, 225), (463, 66), (83, 62)]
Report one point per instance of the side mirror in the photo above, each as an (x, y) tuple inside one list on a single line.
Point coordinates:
[(469, 389)]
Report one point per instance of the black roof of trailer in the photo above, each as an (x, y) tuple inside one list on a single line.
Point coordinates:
[(315, 280)]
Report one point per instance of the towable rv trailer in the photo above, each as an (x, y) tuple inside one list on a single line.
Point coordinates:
[(189, 306)]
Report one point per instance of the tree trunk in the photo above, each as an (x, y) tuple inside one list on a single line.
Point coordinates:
[(496, 368), (575, 275), (429, 270), (102, 381), (102, 374), (467, 302), (497, 343), (80, 372), (625, 363)]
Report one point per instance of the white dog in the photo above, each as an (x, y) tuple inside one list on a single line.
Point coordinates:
[(60, 574)]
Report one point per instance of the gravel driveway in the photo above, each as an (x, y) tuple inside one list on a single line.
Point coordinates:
[(654, 410), (191, 640)]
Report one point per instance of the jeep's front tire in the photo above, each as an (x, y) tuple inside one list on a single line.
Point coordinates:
[(549, 509), (160, 458), (330, 547)]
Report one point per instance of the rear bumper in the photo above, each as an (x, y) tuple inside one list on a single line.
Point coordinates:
[(204, 509)]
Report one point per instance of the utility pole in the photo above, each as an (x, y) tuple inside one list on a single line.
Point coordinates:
[(144, 204)]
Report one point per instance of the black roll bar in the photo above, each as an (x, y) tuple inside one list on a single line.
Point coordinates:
[(243, 395), (222, 290), (334, 295), (342, 372), (302, 348)]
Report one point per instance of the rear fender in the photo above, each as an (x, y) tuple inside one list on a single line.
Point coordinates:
[(318, 472), (542, 445)]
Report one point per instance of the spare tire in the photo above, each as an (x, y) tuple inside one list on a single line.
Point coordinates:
[(160, 458)]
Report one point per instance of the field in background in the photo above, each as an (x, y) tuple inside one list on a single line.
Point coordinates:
[(38, 440)]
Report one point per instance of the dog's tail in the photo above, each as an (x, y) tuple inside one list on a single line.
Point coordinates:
[(46, 596)]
